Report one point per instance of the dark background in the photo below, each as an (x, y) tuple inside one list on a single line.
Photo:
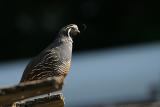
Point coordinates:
[(26, 27)]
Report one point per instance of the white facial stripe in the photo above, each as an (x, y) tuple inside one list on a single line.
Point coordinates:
[(69, 35), (69, 31)]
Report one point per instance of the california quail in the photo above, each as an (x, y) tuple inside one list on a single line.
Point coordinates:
[(55, 60)]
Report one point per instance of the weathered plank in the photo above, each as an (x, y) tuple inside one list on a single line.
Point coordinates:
[(45, 101), (26, 90)]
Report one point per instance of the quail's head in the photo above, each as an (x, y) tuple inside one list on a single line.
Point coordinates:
[(70, 30)]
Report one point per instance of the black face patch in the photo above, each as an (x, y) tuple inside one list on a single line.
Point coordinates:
[(74, 32)]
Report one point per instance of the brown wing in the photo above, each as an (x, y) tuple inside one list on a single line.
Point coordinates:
[(41, 66)]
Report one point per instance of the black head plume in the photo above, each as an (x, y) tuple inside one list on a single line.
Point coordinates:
[(84, 27)]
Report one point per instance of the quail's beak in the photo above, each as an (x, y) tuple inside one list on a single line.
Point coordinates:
[(78, 31)]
